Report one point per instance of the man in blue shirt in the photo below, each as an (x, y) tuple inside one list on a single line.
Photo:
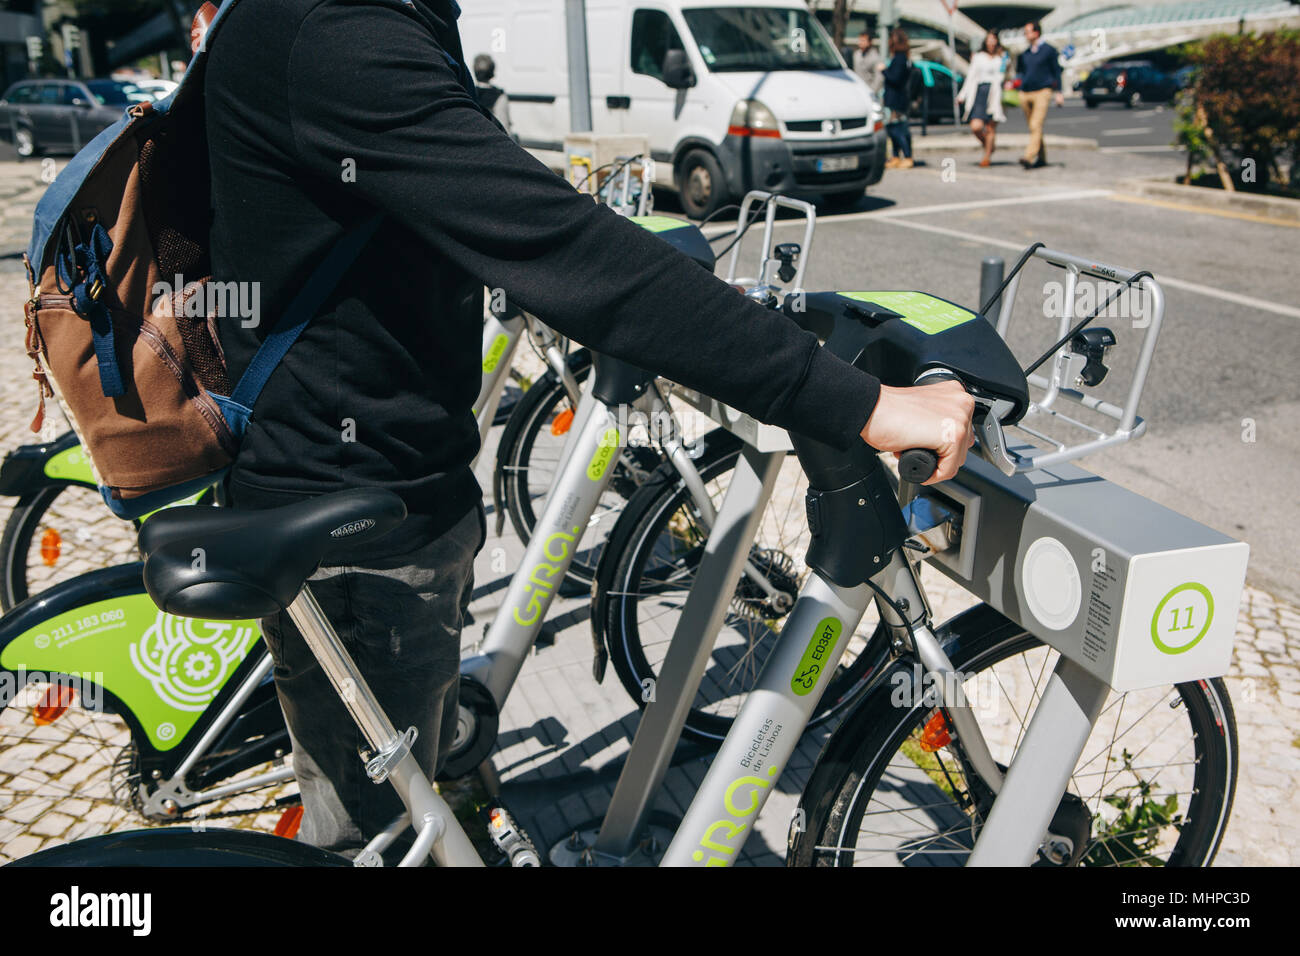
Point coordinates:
[(1040, 75)]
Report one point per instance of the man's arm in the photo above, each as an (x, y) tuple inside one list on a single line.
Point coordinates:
[(368, 82)]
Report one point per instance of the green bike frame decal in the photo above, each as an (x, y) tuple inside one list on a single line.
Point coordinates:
[(1169, 632), (71, 464), (606, 453), (659, 223), (495, 352), (542, 577), (165, 669), (925, 312), (814, 657)]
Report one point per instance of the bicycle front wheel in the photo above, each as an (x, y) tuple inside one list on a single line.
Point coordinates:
[(1153, 786), (657, 549)]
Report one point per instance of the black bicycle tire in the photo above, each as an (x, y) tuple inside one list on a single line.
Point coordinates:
[(871, 734)]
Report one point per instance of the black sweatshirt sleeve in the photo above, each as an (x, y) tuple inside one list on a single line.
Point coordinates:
[(369, 82)]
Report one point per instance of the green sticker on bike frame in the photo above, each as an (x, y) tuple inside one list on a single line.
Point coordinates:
[(165, 669), (659, 223), (815, 656), (495, 352), (918, 309), (71, 464), (606, 452)]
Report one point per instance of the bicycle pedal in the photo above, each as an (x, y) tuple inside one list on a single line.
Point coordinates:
[(514, 844)]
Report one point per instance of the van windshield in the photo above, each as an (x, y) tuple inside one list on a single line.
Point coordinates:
[(748, 39)]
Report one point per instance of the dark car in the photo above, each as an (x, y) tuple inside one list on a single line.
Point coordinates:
[(61, 116), (1128, 83), (930, 90)]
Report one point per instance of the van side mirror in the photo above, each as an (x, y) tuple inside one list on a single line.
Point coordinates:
[(677, 72)]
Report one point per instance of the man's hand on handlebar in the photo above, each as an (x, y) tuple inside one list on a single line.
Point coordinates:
[(936, 416)]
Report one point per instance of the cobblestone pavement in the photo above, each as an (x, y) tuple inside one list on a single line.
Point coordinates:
[(562, 737)]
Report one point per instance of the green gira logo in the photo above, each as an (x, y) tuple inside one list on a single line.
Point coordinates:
[(604, 454), (542, 580), (732, 828), (814, 657), (495, 352)]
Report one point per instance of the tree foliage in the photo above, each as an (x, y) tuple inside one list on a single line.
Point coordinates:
[(1243, 110)]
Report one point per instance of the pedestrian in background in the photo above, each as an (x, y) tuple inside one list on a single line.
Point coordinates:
[(868, 63), (493, 98), (982, 93), (1040, 75), (896, 76)]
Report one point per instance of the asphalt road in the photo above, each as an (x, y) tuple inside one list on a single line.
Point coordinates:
[(1222, 396), (1115, 128)]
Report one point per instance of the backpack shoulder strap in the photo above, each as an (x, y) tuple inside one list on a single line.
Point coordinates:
[(301, 310)]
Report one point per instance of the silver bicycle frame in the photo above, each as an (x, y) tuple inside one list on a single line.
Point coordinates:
[(592, 449), (438, 834)]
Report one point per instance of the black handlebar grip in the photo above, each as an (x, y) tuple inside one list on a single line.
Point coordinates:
[(917, 465)]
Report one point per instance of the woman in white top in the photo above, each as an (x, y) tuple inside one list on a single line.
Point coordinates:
[(982, 93)]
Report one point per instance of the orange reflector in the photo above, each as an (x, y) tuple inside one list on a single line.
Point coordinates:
[(497, 818), (935, 733), (563, 422), (289, 821), (51, 544), (54, 702)]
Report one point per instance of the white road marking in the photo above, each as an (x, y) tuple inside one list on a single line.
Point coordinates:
[(1196, 288), (1132, 131), (1140, 149), (974, 204)]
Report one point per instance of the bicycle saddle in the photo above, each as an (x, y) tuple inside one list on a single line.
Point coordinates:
[(231, 565)]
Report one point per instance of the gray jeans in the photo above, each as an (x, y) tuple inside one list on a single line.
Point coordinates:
[(400, 619)]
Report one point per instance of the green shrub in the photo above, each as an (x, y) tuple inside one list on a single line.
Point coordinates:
[(1244, 106)]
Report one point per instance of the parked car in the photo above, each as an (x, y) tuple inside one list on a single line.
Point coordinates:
[(733, 95), (53, 116), (1130, 83), (930, 90)]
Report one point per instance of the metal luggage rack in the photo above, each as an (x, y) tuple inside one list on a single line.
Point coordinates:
[(1063, 383)]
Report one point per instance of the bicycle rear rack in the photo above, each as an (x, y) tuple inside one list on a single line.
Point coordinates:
[(1058, 385)]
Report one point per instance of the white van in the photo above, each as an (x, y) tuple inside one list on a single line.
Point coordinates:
[(732, 95)]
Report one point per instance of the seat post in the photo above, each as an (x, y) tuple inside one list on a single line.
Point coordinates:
[(342, 671)]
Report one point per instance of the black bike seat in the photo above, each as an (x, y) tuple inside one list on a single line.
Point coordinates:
[(231, 565)]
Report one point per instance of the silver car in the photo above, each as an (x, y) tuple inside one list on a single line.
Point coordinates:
[(61, 116)]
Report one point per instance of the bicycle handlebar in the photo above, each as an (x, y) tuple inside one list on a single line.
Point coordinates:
[(918, 464)]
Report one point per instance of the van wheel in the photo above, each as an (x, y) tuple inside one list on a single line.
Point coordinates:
[(702, 186), (24, 142), (1091, 104)]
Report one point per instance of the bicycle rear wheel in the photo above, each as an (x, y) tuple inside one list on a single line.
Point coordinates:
[(1154, 785), (56, 533), (68, 773)]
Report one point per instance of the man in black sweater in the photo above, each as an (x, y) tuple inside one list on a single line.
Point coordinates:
[(321, 113)]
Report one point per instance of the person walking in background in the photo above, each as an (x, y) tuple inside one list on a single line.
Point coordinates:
[(868, 63), (493, 98), (1040, 75), (981, 94), (896, 76)]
